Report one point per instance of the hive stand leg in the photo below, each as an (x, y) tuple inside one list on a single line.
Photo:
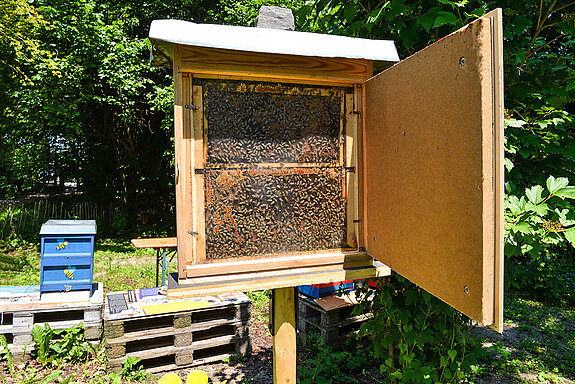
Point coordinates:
[(284, 335)]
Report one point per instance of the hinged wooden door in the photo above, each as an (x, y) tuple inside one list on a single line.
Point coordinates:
[(433, 169)]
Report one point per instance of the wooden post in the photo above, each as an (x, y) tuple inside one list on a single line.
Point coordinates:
[(284, 335)]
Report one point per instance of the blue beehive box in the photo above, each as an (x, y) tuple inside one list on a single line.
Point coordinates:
[(67, 255)]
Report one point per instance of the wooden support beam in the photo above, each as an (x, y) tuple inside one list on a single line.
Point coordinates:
[(284, 335), (204, 286)]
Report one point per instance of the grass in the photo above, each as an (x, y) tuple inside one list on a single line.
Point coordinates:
[(537, 345), (117, 264)]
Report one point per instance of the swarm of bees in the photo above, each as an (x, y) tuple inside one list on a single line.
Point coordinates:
[(254, 209)]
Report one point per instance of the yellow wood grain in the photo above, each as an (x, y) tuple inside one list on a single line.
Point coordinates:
[(284, 335)]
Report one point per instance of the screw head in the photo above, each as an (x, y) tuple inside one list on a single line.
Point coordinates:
[(462, 61), (466, 289)]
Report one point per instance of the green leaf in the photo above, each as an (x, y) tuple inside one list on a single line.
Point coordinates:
[(445, 18), (508, 164), (443, 361), (452, 353), (554, 185), (567, 192), (534, 194), (514, 123), (349, 13), (514, 205), (522, 227), (570, 236), (454, 3), (541, 209)]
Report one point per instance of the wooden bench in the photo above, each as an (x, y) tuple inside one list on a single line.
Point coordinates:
[(165, 246)]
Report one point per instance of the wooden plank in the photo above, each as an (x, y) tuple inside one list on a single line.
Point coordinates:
[(172, 331), (359, 100), (281, 272), (163, 242), (183, 163), (228, 62), (199, 220), (496, 18), (291, 278), (252, 77), (351, 177), (336, 302), (279, 263), (429, 170), (284, 335)]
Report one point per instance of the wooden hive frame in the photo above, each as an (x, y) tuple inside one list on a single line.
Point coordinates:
[(208, 63)]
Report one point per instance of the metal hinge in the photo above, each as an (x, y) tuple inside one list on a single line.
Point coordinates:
[(350, 169), (191, 106), (199, 171)]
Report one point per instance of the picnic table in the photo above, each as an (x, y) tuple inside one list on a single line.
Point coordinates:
[(164, 246)]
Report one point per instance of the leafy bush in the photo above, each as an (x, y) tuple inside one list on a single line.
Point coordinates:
[(60, 345), (417, 337), (539, 234), (329, 366)]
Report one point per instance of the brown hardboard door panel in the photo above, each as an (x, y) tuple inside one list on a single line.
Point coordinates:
[(433, 169)]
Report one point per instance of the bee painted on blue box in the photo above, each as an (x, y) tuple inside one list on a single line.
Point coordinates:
[(61, 244), (70, 272)]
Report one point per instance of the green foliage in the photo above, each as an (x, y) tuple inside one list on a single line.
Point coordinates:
[(54, 346), (5, 354), (411, 24), (132, 369), (538, 225), (260, 302), (417, 338), (326, 366)]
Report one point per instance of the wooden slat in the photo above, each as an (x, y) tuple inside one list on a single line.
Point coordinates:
[(171, 331), (279, 263), (359, 94), (228, 62), (248, 77), (351, 177), (163, 242), (183, 163), (198, 159), (291, 278), (496, 18), (284, 335)]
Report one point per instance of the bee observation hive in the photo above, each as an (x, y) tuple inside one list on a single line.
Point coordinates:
[(274, 168)]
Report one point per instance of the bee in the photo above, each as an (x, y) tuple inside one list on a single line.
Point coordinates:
[(62, 245), (69, 273)]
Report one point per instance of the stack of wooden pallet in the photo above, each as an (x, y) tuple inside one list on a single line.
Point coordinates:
[(329, 317), (179, 333), (21, 308)]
